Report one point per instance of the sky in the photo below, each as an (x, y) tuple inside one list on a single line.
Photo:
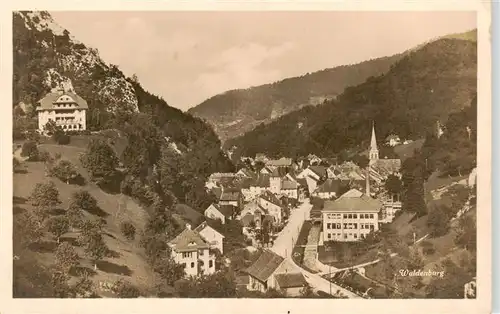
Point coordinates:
[(188, 57)]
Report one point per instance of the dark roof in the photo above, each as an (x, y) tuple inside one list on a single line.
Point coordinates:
[(319, 170), (353, 201), (270, 197), (188, 240), (302, 182), (279, 172), (226, 210), (230, 195), (290, 280), (262, 181), (265, 265), (217, 191), (48, 101), (330, 185)]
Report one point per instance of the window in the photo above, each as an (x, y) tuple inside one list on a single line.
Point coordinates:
[(339, 226), (345, 216), (355, 236), (328, 226), (334, 226), (354, 216), (371, 215), (355, 226), (345, 235), (187, 254), (361, 216), (210, 264), (350, 216), (362, 226), (345, 226), (329, 236), (201, 253), (192, 264)]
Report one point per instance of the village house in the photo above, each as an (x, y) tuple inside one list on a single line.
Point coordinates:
[(312, 184), (272, 205), (266, 170), (279, 163), (220, 212), (392, 204), (290, 188), (210, 234), (263, 274), (313, 159), (392, 140), (65, 108), (316, 172), (255, 187), (192, 251), (328, 189), (350, 217), (232, 197)]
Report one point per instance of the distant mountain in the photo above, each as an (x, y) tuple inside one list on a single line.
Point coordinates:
[(238, 111), (427, 84)]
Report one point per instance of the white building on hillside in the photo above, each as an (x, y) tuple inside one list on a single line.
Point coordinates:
[(65, 108)]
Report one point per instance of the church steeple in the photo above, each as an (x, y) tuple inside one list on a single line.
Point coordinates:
[(373, 147)]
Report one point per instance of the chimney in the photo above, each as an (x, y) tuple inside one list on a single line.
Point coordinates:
[(367, 181), (188, 226)]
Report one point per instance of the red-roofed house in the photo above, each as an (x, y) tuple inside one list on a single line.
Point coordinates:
[(192, 251), (65, 108), (262, 273)]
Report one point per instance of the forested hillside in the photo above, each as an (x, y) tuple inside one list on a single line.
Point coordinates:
[(426, 85), (238, 111)]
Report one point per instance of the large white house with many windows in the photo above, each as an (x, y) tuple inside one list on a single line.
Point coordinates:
[(192, 250), (351, 217), (65, 108)]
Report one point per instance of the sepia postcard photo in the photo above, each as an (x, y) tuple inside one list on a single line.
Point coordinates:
[(256, 155)]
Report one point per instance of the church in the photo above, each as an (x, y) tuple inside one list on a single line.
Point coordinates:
[(381, 167)]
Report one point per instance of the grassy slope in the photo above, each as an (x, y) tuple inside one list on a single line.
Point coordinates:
[(128, 260)]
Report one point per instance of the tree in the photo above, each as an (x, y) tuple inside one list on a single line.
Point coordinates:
[(28, 229), (30, 150), (44, 196), (467, 233), (58, 226), (83, 200), (361, 160), (84, 287), (451, 286), (74, 214), (438, 221), (100, 161), (169, 270), (125, 289), (128, 230), (66, 257), (59, 282), (64, 170), (393, 184), (96, 248)]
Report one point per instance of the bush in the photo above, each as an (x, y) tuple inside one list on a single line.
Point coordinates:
[(125, 289), (44, 156), (128, 230), (428, 248), (61, 138), (30, 150)]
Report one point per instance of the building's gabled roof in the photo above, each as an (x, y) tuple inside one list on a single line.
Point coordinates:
[(246, 172), (265, 265), (270, 197), (290, 280), (48, 101), (230, 195), (188, 240), (353, 201), (329, 186), (282, 162), (319, 170), (279, 172), (302, 182), (262, 181), (289, 185), (217, 191), (207, 224)]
